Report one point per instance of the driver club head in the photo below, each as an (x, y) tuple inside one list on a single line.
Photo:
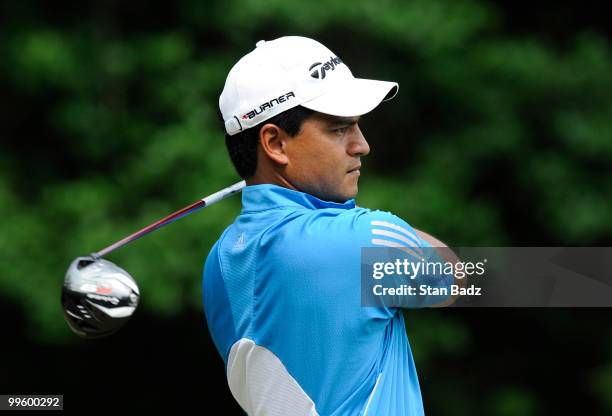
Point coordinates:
[(98, 297)]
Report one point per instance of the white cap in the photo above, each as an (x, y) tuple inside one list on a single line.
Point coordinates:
[(290, 71)]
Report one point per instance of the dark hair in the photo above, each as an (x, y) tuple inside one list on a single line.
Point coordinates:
[(242, 147)]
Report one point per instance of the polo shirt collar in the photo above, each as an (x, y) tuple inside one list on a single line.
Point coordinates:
[(267, 196)]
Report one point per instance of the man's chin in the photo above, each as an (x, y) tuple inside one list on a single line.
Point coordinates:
[(348, 195), (340, 196)]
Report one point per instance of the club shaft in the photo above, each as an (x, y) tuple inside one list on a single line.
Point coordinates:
[(204, 202)]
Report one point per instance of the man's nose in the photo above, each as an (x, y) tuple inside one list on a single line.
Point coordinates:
[(358, 145)]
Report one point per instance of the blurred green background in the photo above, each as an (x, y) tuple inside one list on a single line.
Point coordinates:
[(501, 135)]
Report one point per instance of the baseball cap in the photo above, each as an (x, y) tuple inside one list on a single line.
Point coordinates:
[(289, 71)]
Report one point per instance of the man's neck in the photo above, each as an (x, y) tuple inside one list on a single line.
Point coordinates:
[(273, 178)]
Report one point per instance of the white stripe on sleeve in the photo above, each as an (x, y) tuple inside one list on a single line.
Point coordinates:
[(402, 230), (388, 243)]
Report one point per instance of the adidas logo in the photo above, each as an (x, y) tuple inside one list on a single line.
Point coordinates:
[(240, 242)]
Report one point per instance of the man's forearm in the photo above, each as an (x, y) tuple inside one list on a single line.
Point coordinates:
[(448, 256)]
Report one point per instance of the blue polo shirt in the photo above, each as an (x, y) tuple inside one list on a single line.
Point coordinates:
[(281, 293)]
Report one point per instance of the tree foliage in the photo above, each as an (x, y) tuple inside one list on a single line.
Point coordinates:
[(110, 122)]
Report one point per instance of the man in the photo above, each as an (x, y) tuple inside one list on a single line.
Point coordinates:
[(281, 286)]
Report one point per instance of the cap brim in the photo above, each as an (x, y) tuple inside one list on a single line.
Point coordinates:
[(353, 98)]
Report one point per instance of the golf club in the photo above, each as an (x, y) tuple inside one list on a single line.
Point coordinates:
[(99, 297)]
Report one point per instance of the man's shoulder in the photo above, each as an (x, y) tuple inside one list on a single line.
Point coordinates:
[(360, 227), (322, 223), (322, 231), (388, 229), (213, 253)]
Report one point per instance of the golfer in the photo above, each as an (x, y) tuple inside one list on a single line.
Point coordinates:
[(281, 286)]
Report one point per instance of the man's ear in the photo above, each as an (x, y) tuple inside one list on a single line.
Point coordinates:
[(272, 140)]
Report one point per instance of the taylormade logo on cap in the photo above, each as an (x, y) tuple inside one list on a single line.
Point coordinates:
[(329, 65), (290, 71)]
